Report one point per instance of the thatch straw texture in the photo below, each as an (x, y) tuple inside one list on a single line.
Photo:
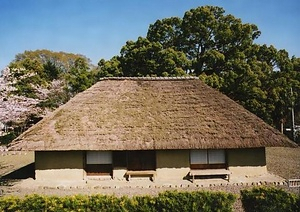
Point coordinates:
[(149, 113)]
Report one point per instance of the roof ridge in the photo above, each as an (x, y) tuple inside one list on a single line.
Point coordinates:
[(150, 78)]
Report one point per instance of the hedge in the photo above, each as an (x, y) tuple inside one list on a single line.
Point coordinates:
[(166, 201), (267, 199)]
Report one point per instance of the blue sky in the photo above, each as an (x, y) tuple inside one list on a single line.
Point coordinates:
[(99, 28)]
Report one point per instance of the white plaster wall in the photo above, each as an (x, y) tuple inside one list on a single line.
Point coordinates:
[(171, 173), (118, 173), (172, 164), (60, 174), (247, 171)]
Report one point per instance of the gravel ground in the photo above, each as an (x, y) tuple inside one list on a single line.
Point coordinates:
[(139, 187)]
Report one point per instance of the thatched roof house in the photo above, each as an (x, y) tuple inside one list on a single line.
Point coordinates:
[(123, 123), (150, 113)]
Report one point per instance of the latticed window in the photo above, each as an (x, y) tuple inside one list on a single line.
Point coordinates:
[(208, 158), (98, 162), (99, 157)]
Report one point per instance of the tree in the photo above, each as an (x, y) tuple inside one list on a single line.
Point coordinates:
[(210, 38), (139, 58), (79, 78), (220, 49), (27, 75), (144, 58), (166, 32), (51, 70), (171, 63), (109, 68)]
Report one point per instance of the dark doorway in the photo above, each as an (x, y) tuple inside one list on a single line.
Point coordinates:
[(141, 160)]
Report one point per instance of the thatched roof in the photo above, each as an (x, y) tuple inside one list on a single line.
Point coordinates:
[(149, 113)]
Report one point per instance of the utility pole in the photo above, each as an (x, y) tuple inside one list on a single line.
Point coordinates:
[(293, 117)]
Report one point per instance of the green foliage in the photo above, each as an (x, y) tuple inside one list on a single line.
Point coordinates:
[(10, 204), (79, 78), (220, 49), (61, 60), (75, 203), (27, 75), (34, 203), (146, 58), (46, 203), (210, 38), (55, 99), (6, 139), (212, 80), (166, 31), (195, 201), (106, 203), (14, 129), (110, 68), (32, 70), (267, 199), (141, 203), (167, 201), (51, 70), (205, 42)]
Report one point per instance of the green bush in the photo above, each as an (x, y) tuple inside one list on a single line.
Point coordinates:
[(104, 203), (54, 204), (195, 201), (167, 201), (33, 203), (75, 203), (267, 199), (139, 203), (10, 204)]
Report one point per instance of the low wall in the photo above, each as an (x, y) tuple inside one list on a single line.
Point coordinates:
[(247, 171), (247, 162), (119, 173), (59, 165), (60, 174), (172, 164)]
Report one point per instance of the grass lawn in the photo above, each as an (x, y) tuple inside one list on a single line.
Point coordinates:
[(284, 162)]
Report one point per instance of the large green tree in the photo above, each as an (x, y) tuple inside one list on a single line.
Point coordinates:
[(221, 50), (209, 39), (167, 32), (51, 78), (79, 78), (145, 58), (33, 71)]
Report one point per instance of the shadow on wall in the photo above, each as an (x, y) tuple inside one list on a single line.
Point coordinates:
[(24, 172)]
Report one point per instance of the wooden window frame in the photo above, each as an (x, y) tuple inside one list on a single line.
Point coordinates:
[(209, 165), (98, 169)]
